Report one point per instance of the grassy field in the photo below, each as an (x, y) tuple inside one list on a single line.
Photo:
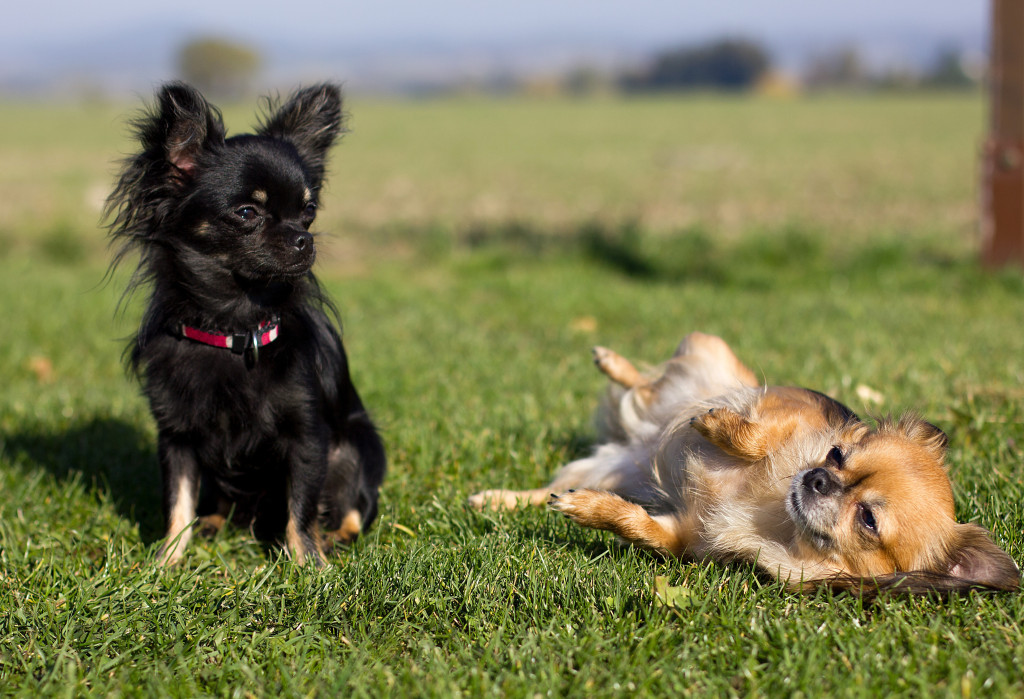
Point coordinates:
[(478, 249)]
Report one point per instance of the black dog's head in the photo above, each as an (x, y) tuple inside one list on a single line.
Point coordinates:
[(223, 216)]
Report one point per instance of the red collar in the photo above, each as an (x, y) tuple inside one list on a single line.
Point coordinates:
[(238, 343)]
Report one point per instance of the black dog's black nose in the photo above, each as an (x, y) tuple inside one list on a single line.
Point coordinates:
[(302, 240), (820, 481)]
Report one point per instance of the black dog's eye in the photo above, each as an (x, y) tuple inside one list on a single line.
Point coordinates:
[(246, 213), (310, 209), (835, 458), (867, 518)]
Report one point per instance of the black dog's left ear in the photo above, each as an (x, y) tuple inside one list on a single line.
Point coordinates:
[(311, 120)]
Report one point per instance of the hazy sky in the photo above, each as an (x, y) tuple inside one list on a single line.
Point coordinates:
[(27, 22)]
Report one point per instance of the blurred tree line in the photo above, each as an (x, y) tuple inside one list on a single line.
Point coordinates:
[(220, 68), (736, 64), (225, 69), (727, 64)]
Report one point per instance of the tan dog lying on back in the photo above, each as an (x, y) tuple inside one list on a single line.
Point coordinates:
[(700, 461)]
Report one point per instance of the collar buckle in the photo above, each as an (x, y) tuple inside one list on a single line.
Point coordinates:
[(240, 342)]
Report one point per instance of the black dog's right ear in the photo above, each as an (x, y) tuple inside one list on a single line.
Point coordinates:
[(186, 124)]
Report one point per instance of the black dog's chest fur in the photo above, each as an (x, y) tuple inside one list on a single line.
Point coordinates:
[(245, 414), (232, 392)]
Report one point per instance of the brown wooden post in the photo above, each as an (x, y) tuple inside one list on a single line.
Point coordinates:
[(1002, 187)]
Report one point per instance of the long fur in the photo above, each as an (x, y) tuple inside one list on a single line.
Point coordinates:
[(699, 460), (277, 435)]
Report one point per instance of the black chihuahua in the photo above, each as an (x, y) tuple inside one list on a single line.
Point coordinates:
[(245, 372)]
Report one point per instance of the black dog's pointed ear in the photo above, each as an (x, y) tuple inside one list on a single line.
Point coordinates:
[(188, 124), (173, 133), (311, 120)]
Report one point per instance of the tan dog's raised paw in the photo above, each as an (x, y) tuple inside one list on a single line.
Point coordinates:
[(731, 432)]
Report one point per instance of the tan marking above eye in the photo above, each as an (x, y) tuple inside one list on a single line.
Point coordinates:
[(307, 196), (203, 228), (259, 196)]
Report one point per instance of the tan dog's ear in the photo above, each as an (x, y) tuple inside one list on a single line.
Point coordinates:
[(974, 557), (925, 434)]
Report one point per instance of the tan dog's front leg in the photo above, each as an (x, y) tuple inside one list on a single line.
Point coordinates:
[(598, 509), (733, 433)]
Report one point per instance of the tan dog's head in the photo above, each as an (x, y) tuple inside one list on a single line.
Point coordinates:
[(880, 506)]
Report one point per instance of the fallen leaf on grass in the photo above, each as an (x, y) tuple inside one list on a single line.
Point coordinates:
[(584, 324), (42, 367), (403, 528), (667, 596), (869, 395)]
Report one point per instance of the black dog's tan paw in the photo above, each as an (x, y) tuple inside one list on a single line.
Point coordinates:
[(347, 533), (302, 547), (209, 525)]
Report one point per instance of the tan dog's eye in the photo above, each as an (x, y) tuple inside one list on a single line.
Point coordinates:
[(835, 458), (867, 518)]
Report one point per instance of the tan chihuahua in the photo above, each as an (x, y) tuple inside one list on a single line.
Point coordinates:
[(699, 460)]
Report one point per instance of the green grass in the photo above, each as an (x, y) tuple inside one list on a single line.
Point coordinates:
[(848, 168), (469, 339)]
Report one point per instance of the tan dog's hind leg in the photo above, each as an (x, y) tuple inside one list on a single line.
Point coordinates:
[(621, 371), (714, 350), (598, 509), (618, 368)]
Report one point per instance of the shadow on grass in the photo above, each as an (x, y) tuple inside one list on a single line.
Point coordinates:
[(115, 457), (786, 256), (573, 444), (111, 454)]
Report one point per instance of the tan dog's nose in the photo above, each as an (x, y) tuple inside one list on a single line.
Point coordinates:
[(820, 481)]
